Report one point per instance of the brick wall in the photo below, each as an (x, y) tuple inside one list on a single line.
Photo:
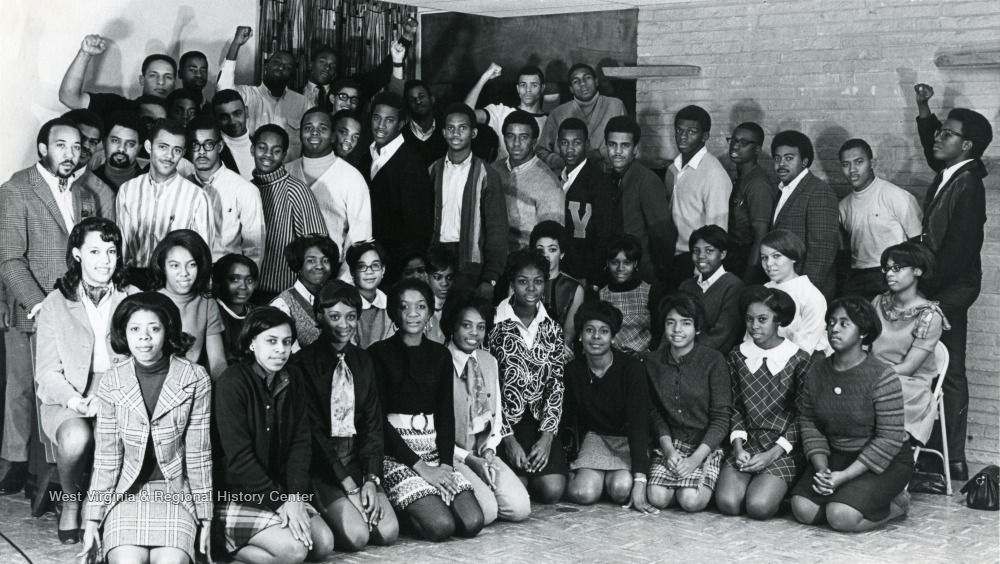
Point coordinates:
[(837, 70)]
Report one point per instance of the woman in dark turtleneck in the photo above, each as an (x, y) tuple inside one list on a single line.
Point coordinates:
[(151, 492)]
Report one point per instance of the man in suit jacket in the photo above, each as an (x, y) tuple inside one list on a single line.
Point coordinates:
[(401, 192), (91, 128), (953, 229), (470, 209), (807, 207), (593, 205), (38, 208)]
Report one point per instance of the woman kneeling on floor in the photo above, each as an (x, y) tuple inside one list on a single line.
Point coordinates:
[(347, 424), (607, 405), (767, 375), (263, 446), (414, 376), (690, 389), (151, 493), (852, 430), (479, 424)]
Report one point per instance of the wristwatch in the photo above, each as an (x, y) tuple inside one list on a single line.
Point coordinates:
[(373, 479)]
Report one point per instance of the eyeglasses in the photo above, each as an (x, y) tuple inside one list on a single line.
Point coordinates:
[(374, 267), (895, 268), (347, 97), (209, 145), (946, 134), (741, 143)]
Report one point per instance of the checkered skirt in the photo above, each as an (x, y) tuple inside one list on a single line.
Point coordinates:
[(787, 466), (704, 475), (402, 484), (236, 523), (148, 519)]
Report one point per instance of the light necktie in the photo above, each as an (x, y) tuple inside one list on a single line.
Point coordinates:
[(342, 400), (479, 407)]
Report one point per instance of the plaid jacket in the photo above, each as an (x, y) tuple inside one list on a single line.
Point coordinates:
[(33, 238), (812, 212), (181, 437)]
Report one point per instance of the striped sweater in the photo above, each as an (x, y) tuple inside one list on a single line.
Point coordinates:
[(290, 211), (858, 410)]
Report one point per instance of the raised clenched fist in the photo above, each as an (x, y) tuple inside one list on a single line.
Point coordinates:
[(94, 45), (243, 34), (494, 71), (924, 92)]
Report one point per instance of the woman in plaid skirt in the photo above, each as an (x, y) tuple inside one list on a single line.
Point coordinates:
[(690, 393), (263, 448), (151, 492), (627, 292), (767, 376)]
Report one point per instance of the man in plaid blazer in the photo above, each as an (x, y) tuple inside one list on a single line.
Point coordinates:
[(38, 208), (808, 207)]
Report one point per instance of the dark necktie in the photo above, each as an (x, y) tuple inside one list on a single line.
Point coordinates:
[(63, 185), (322, 100), (932, 191)]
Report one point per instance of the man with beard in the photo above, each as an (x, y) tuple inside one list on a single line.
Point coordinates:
[(159, 201), (423, 132), (339, 188), (530, 88), (588, 105), (593, 206), (124, 137), (401, 191), (876, 215), (532, 191), (91, 129), (470, 211), (807, 207), (39, 206), (698, 187), (271, 101), (193, 72), (239, 219), (751, 204), (157, 79), (231, 113)]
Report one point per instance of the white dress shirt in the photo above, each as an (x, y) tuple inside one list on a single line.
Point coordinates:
[(420, 133), (452, 190), (505, 311), (239, 215), (64, 197), (379, 158), (786, 192), (568, 178), (706, 284)]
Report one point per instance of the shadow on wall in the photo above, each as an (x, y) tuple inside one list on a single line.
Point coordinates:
[(827, 166)]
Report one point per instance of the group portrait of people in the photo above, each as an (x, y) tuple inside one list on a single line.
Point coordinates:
[(289, 320)]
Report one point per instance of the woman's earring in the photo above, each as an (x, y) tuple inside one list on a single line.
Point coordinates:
[(251, 348)]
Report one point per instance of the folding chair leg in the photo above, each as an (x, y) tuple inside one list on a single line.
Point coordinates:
[(944, 449)]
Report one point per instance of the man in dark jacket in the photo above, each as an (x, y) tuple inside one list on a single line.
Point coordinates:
[(593, 205), (401, 191), (953, 228)]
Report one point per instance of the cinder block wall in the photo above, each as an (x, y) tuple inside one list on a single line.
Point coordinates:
[(837, 70)]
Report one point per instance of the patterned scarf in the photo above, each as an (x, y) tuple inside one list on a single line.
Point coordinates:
[(95, 293), (479, 409), (924, 311), (342, 400)]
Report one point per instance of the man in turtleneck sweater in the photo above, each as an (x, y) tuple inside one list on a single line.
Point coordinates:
[(231, 113), (588, 105), (125, 133), (290, 210), (339, 188), (271, 101)]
